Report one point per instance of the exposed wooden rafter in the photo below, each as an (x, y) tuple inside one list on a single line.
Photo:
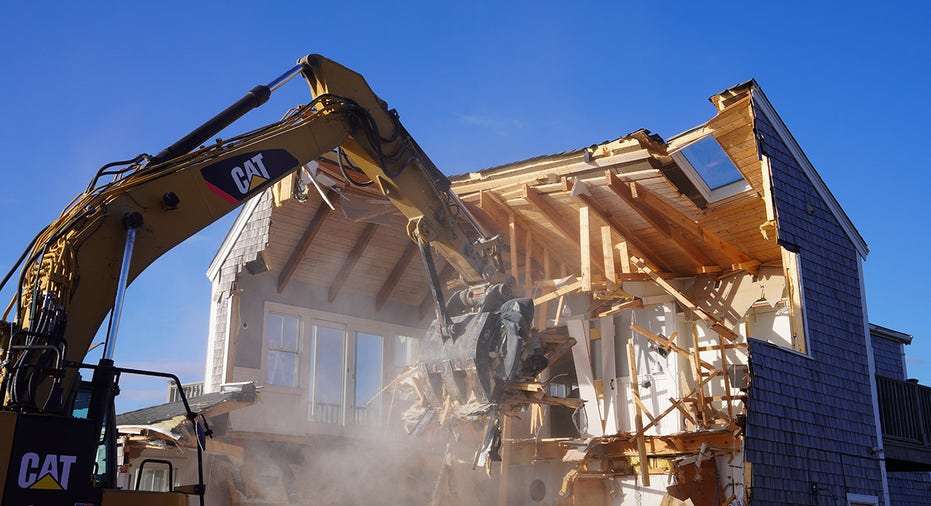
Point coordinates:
[(362, 243), (391, 282), (677, 218), (539, 202), (626, 234), (659, 223), (316, 222), (494, 205)]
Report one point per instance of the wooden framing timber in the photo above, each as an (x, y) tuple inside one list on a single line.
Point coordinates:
[(626, 234), (668, 343), (539, 202), (489, 199), (638, 414), (659, 222), (677, 218), (687, 303)]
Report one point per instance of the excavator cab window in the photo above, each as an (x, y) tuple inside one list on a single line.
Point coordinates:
[(107, 438)]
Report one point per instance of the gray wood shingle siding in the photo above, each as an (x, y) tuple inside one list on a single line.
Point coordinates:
[(910, 489), (810, 419), (251, 240), (888, 357)]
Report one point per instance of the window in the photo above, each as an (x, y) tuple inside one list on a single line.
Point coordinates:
[(283, 350), (368, 378), (155, 477), (327, 366), (704, 161)]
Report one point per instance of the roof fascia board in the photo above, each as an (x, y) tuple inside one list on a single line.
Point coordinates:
[(856, 239), (232, 236), (892, 335)]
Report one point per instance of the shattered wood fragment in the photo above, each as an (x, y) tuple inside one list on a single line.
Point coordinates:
[(558, 293)]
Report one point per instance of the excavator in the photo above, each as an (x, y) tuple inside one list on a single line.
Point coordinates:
[(57, 417)]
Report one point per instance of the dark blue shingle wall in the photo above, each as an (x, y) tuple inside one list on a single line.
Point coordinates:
[(888, 357), (810, 418), (910, 489)]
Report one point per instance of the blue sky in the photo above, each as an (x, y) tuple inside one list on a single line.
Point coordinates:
[(477, 84)]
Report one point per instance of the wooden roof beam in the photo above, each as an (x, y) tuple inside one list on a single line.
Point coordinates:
[(677, 218), (391, 282), (559, 251), (496, 221), (362, 242), (658, 222), (316, 222), (619, 228), (537, 199)]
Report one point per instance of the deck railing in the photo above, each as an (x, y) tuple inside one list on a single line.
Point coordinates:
[(905, 410), (190, 390)]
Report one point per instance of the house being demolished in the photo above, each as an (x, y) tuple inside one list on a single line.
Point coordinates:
[(702, 303)]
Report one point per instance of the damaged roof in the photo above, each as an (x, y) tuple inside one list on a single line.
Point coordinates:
[(644, 192), (169, 420)]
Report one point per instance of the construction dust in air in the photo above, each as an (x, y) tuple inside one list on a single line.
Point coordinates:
[(374, 465)]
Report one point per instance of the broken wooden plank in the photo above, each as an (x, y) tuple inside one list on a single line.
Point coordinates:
[(559, 292), (608, 253), (667, 343), (624, 255), (623, 306)]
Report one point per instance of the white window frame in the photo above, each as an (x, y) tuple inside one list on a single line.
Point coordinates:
[(685, 140), (299, 351), (345, 360), (351, 326)]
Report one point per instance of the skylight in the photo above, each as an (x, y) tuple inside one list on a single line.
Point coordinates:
[(711, 163), (703, 160)]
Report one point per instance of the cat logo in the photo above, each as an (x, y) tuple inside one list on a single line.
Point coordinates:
[(50, 472), (251, 174), (240, 176)]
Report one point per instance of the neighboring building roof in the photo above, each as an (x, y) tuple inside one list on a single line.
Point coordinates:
[(169, 420), (892, 335)]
